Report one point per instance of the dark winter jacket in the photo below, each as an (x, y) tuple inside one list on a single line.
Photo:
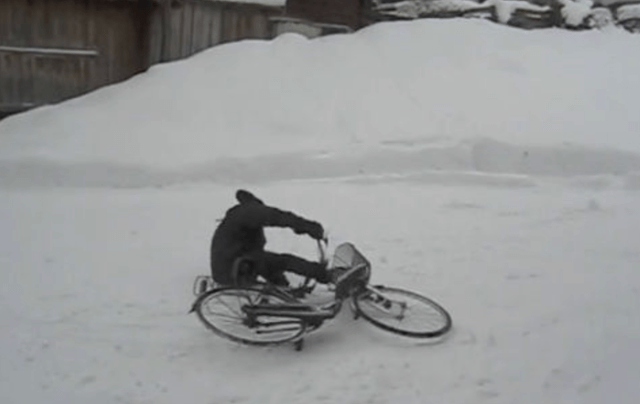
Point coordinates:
[(241, 232)]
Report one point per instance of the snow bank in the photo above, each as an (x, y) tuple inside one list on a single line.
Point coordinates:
[(229, 112), (479, 161)]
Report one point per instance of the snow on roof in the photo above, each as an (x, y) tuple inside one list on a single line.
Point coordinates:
[(629, 12), (574, 12), (450, 5), (417, 8)]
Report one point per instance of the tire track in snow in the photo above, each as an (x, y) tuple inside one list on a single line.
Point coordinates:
[(482, 162)]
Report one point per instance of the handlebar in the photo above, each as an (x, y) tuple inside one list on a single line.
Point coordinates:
[(323, 244)]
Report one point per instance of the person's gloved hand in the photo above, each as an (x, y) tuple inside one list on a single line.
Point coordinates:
[(315, 230)]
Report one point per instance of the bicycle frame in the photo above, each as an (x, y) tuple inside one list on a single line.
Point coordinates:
[(353, 282), (300, 311)]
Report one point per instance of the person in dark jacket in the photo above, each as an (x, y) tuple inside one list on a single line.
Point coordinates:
[(239, 240)]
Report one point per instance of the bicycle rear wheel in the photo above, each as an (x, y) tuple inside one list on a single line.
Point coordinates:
[(220, 310), (402, 312)]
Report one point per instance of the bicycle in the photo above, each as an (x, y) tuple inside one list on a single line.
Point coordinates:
[(263, 314)]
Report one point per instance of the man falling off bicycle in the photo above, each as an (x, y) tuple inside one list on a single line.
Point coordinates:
[(237, 246)]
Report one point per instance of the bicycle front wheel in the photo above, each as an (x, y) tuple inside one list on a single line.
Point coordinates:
[(221, 311), (402, 312)]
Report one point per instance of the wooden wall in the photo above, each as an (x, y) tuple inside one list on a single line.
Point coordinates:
[(52, 50), (180, 31), (345, 12)]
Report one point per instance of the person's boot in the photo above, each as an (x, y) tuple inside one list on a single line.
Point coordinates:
[(323, 274)]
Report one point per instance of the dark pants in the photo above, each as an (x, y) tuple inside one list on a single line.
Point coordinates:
[(272, 266)]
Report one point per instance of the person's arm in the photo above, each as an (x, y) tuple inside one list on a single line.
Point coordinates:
[(255, 215)]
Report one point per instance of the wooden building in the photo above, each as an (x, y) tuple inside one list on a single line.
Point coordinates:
[(52, 50), (354, 14)]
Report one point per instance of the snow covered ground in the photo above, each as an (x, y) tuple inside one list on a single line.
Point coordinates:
[(492, 169)]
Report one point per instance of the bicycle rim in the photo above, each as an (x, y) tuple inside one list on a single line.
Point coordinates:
[(403, 312), (220, 310)]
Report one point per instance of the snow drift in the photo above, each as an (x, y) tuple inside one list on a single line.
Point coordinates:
[(446, 91)]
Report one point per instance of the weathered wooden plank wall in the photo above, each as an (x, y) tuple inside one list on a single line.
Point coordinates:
[(351, 13), (51, 50), (195, 25)]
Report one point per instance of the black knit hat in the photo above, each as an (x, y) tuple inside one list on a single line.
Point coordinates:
[(244, 196)]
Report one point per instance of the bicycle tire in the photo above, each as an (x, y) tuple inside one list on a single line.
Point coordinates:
[(368, 304), (230, 301)]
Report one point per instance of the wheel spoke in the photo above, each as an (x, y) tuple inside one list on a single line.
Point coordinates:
[(224, 316), (221, 311), (225, 304)]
